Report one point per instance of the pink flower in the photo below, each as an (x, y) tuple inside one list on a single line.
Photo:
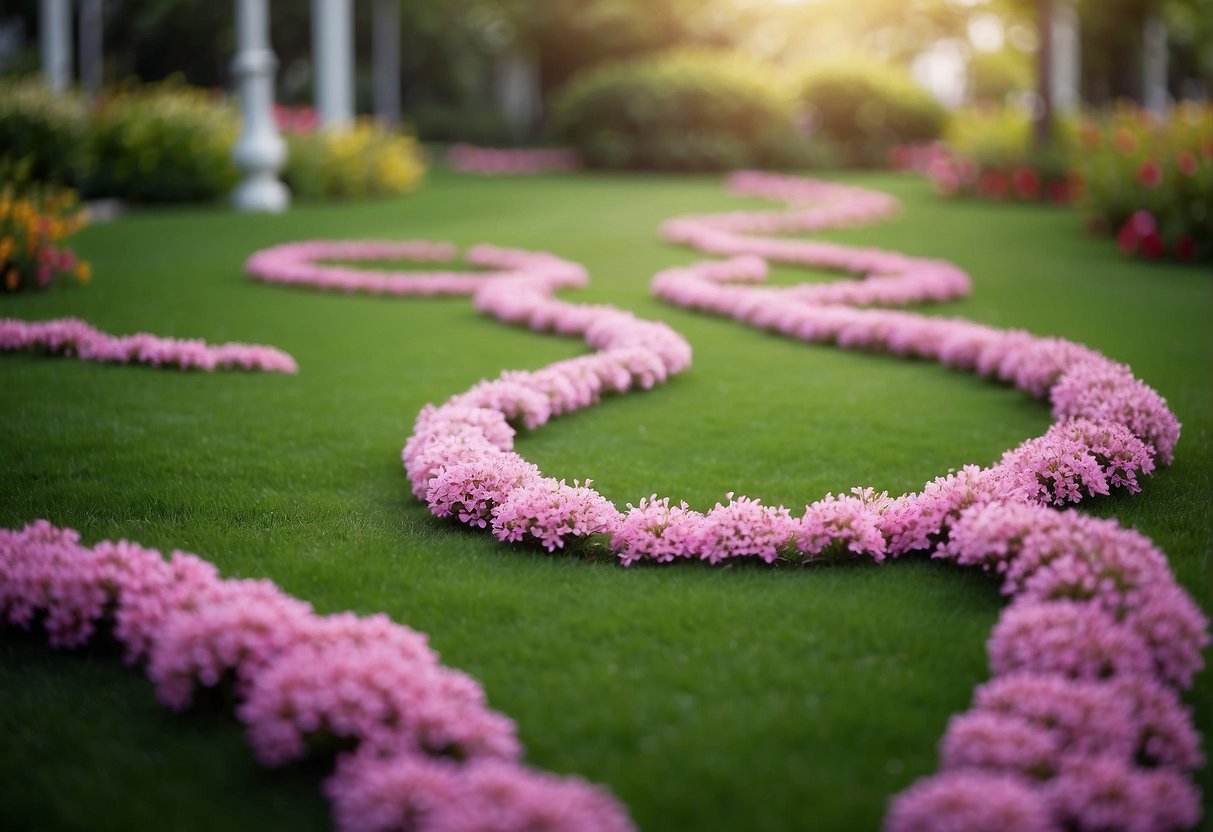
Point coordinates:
[(965, 801)]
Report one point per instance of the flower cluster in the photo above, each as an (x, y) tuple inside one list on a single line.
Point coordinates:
[(492, 161), (34, 224), (426, 754), (1150, 180), (74, 337), (366, 159)]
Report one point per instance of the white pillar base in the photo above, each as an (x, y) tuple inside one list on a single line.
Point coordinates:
[(261, 194), (259, 152)]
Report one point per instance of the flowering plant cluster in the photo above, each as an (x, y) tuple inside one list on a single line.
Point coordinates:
[(1096, 613), (1080, 728), (73, 337), (35, 223), (1150, 181), (365, 160), (424, 752), (988, 155), (491, 161)]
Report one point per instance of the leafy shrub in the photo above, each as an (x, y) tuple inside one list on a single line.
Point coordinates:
[(683, 110), (162, 143), (864, 109), (1151, 181), (42, 131), (366, 160), (479, 125)]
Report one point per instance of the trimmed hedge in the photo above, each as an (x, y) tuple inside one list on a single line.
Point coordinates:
[(863, 109), (682, 110)]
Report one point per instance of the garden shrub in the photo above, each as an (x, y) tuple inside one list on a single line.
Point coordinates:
[(864, 108), (990, 155), (41, 131), (682, 110), (366, 160), (165, 142), (1151, 181)]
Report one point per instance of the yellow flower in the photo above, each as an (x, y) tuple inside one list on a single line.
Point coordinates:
[(6, 248), (84, 272)]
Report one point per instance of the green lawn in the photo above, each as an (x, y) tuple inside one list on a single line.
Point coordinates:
[(707, 699)]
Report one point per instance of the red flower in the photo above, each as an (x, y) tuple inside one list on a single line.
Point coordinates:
[(1185, 248), (1126, 238), (1152, 246), (1150, 174), (1059, 192), (994, 184), (1027, 183), (1143, 223), (1188, 163)]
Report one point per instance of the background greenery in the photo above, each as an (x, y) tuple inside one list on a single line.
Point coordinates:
[(707, 699)]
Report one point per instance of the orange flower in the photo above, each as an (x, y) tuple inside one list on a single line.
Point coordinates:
[(11, 280), (84, 272), (1125, 141)]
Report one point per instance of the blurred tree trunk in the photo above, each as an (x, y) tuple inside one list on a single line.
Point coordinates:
[(1042, 127)]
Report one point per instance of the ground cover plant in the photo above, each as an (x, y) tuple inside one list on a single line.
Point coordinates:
[(817, 656)]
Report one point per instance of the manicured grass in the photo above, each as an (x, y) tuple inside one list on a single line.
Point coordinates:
[(707, 699)]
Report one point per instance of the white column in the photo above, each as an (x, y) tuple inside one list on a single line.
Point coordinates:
[(1154, 65), (385, 55), (260, 151), (1067, 57), (333, 61), (91, 34), (55, 42), (517, 91)]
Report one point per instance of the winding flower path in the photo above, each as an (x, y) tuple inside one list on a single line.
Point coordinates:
[(1081, 726)]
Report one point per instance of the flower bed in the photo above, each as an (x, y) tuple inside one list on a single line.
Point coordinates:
[(71, 337), (989, 155), (1150, 182), (420, 741), (1096, 621), (1096, 612), (492, 161), (35, 223)]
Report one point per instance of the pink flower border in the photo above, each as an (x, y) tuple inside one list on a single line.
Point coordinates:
[(1096, 617), (1081, 726), (422, 742), (73, 337)]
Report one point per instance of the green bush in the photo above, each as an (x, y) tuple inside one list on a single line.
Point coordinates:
[(448, 124), (366, 160), (42, 131), (864, 109), (162, 143), (684, 110)]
